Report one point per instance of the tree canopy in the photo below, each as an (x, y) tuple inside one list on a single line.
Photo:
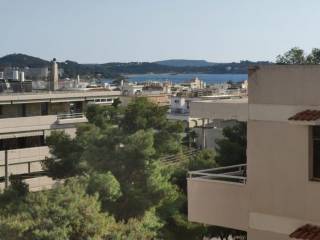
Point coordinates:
[(231, 150), (298, 56)]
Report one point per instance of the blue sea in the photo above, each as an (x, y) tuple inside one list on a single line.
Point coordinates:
[(179, 78)]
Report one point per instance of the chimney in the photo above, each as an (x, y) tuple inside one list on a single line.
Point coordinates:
[(54, 76)]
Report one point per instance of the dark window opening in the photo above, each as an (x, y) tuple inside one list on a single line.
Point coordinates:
[(44, 108), (24, 110), (22, 142), (316, 152), (76, 107)]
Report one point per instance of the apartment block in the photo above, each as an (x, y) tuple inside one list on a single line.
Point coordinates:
[(27, 118), (276, 194)]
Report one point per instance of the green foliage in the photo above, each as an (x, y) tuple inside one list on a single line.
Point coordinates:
[(65, 212), (11, 196), (293, 56), (67, 156), (101, 115), (231, 150), (143, 114), (106, 185), (145, 228), (297, 56), (314, 56), (116, 103), (203, 160), (121, 168)]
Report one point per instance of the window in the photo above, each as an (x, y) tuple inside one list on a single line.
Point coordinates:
[(24, 110), (44, 108), (316, 153), (21, 142)]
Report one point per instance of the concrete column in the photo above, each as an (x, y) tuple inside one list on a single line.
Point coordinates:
[(6, 170)]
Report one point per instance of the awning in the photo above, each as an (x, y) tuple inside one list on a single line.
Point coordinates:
[(306, 232), (306, 117)]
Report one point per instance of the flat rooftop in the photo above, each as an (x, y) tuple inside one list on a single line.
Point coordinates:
[(54, 96), (225, 109), (228, 101)]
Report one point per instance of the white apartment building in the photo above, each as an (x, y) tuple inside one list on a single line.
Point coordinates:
[(180, 105), (276, 195)]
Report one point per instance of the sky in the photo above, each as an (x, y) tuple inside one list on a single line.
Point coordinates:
[(98, 31)]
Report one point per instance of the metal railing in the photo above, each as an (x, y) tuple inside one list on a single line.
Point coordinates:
[(70, 116), (28, 174), (173, 159), (234, 173)]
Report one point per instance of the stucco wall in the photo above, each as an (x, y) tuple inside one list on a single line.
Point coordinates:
[(218, 203), (278, 171), (285, 84)]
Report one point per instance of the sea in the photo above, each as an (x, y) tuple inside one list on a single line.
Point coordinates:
[(179, 78)]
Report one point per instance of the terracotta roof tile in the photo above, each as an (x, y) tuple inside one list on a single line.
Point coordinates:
[(306, 232), (307, 115)]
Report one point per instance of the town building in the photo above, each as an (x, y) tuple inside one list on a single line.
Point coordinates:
[(194, 83), (276, 194)]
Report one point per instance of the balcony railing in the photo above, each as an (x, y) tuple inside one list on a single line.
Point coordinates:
[(70, 116), (235, 173)]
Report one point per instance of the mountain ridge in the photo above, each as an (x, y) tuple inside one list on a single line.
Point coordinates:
[(115, 70)]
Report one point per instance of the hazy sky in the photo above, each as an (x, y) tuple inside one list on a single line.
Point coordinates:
[(90, 31)]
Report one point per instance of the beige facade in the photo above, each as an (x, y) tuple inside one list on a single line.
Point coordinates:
[(278, 195), (25, 121)]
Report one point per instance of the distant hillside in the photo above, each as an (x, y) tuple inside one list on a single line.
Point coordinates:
[(185, 63), (22, 60), (114, 70)]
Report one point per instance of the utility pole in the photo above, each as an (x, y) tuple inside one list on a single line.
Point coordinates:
[(6, 172)]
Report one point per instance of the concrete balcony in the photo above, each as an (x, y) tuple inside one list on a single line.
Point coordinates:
[(219, 197), (23, 161), (24, 124), (71, 118), (39, 123)]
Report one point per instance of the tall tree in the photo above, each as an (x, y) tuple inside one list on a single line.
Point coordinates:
[(231, 150), (124, 169), (298, 56), (293, 56), (143, 114)]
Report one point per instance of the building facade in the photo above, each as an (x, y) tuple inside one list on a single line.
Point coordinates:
[(26, 119), (276, 194)]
